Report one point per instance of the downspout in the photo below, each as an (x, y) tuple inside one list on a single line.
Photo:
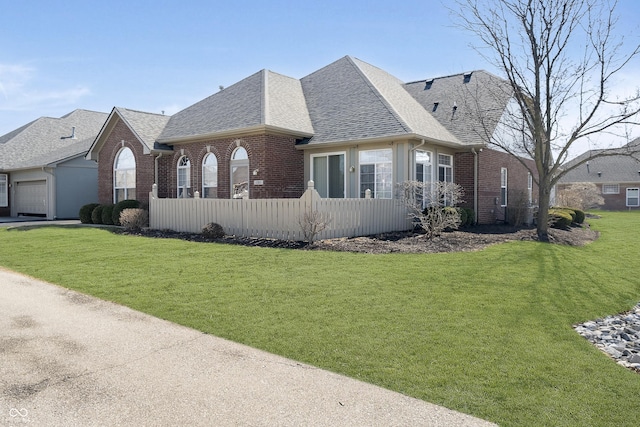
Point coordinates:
[(412, 170), (475, 184)]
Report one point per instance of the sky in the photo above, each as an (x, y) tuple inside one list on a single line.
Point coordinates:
[(162, 56)]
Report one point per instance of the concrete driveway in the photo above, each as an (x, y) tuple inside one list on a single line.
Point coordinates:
[(67, 359)]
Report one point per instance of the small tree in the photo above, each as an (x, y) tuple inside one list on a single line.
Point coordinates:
[(582, 196), (313, 223), (430, 205)]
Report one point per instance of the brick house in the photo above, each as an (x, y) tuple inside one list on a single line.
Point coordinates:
[(616, 177), (349, 127)]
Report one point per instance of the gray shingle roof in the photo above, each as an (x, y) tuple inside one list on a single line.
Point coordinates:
[(351, 100), (47, 140), (262, 99), (146, 126), (613, 169), (480, 103)]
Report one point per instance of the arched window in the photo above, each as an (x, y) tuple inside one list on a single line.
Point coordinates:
[(184, 177), (210, 177), (124, 176), (240, 174)]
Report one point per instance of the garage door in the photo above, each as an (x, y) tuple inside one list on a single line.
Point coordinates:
[(31, 197)]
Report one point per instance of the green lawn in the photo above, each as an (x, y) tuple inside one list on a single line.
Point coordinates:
[(487, 333)]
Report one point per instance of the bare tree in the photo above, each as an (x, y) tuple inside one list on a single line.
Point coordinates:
[(560, 59), (583, 196), (431, 204), (312, 223)]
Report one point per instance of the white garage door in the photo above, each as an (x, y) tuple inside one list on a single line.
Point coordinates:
[(31, 197)]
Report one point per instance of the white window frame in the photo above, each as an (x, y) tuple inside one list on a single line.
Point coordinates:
[(382, 171), (445, 167), (344, 172), (125, 172), (504, 174), (637, 197), (610, 188), (238, 191), (210, 171), (183, 168), (427, 177), (4, 190), (530, 187)]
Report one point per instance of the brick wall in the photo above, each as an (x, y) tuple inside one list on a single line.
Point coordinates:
[(490, 163)]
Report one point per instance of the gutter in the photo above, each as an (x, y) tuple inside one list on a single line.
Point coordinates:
[(155, 172), (475, 184)]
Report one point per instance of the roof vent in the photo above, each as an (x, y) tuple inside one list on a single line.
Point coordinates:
[(467, 78), (435, 107), (428, 84), (73, 134)]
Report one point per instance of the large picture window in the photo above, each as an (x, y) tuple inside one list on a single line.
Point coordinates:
[(124, 176), (4, 191), (376, 173), (327, 172), (633, 197), (240, 174), (184, 177), (210, 177)]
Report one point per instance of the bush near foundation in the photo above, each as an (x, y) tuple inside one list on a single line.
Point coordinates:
[(134, 218), (96, 214), (120, 206), (560, 218), (107, 214), (213, 231), (85, 213)]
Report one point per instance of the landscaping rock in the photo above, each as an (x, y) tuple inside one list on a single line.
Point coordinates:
[(618, 336)]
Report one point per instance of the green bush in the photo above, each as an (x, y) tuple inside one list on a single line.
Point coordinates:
[(213, 231), (120, 206), (96, 214), (559, 218), (466, 217), (579, 216), (85, 213), (107, 214)]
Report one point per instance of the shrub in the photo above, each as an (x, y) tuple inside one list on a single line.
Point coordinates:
[(107, 214), (120, 206), (213, 231), (85, 213), (579, 216), (134, 218), (471, 217), (96, 214), (559, 218)]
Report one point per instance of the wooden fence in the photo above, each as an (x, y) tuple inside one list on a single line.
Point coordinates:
[(279, 218)]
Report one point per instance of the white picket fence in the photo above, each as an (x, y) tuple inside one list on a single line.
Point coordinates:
[(279, 218)]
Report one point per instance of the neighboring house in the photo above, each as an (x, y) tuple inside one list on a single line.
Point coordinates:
[(349, 127), (42, 167), (617, 177)]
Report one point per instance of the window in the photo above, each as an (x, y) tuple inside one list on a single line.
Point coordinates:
[(445, 168), (210, 177), (633, 197), (124, 176), (424, 170), (610, 189), (240, 174), (530, 187), (4, 191), (184, 177), (375, 173), (327, 172), (503, 187)]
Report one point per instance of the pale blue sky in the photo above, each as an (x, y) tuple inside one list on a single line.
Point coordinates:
[(56, 56)]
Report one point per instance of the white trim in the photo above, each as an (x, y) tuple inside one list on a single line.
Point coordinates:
[(4, 190), (637, 197), (332, 153), (504, 176)]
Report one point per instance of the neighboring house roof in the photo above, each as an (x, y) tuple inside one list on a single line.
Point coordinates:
[(145, 126), (611, 169), (262, 100), (47, 140), (470, 105), (351, 100)]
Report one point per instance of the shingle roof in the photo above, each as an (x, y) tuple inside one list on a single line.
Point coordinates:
[(262, 99), (614, 169), (47, 140), (480, 102), (351, 100), (146, 126)]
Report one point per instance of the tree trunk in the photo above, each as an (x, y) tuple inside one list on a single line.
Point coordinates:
[(542, 223)]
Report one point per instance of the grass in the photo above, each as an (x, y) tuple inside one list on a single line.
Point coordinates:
[(487, 333)]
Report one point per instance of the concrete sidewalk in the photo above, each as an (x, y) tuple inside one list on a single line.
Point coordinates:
[(72, 360)]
